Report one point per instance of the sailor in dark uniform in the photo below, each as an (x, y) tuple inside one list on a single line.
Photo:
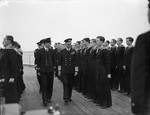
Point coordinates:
[(8, 70), (67, 69), (127, 63), (119, 64), (140, 74), (113, 81), (40, 45), (86, 67), (102, 66), (45, 63), (57, 51), (19, 63), (80, 62), (77, 79), (92, 86)]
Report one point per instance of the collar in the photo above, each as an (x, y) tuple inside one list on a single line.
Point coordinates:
[(130, 46), (9, 46), (19, 51), (120, 45), (46, 48), (113, 46), (68, 49)]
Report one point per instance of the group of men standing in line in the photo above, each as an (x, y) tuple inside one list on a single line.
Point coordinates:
[(92, 66), (103, 68), (11, 71)]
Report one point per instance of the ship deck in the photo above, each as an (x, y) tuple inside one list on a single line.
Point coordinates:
[(32, 100)]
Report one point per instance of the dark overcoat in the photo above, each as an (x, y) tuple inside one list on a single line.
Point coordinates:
[(8, 69), (140, 73), (68, 60), (45, 60)]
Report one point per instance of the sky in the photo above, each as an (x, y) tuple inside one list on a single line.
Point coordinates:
[(29, 21)]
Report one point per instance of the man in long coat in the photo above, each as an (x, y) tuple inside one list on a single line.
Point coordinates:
[(140, 74)]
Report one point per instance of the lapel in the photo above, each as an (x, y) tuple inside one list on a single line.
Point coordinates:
[(44, 51), (128, 50), (67, 52), (99, 52)]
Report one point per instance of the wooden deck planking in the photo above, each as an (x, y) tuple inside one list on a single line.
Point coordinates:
[(32, 100)]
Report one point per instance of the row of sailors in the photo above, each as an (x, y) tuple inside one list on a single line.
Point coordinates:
[(11, 71), (101, 67), (120, 59), (96, 63)]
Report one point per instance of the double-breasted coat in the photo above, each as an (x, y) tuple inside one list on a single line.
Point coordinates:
[(45, 63), (68, 61)]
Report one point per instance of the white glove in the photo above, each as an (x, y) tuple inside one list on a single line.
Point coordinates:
[(76, 73), (11, 80), (59, 73), (2, 80), (39, 73), (109, 76), (124, 67)]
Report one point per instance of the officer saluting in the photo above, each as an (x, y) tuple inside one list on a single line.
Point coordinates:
[(45, 65), (67, 69)]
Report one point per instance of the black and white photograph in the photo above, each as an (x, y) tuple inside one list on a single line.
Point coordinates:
[(74, 57)]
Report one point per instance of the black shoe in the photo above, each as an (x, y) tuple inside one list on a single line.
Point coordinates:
[(66, 102), (49, 101), (69, 100), (44, 104), (104, 107)]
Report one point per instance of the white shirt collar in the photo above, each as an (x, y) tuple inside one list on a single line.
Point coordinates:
[(9, 46)]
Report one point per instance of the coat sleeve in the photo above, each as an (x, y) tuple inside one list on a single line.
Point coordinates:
[(107, 60), (60, 60), (35, 53), (38, 59), (13, 63), (138, 74), (54, 58), (76, 59)]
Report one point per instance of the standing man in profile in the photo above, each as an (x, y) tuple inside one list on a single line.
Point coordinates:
[(127, 63), (8, 70), (113, 81), (67, 69), (119, 54), (45, 64)]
